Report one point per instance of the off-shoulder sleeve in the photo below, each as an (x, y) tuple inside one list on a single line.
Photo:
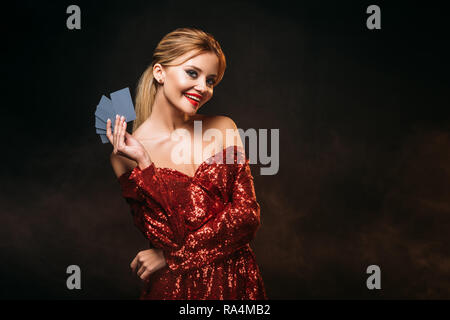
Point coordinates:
[(228, 231), (149, 204)]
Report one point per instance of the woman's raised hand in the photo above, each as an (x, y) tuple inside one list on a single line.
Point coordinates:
[(125, 144)]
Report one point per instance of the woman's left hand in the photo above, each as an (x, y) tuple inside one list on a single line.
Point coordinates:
[(148, 261)]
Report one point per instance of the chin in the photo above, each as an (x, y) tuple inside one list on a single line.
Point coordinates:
[(189, 109), (193, 112)]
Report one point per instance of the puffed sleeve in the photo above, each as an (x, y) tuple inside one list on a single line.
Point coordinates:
[(149, 202), (231, 229)]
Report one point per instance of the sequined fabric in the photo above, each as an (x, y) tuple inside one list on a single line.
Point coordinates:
[(203, 224)]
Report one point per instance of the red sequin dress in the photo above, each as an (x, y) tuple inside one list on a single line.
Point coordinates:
[(203, 224)]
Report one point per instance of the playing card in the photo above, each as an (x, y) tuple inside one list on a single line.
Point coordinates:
[(122, 104), (100, 126), (104, 138), (100, 131), (99, 123), (105, 110)]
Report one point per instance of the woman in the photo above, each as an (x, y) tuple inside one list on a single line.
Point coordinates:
[(199, 216)]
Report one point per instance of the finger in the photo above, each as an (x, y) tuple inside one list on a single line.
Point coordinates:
[(116, 124), (130, 140), (115, 131), (123, 132), (124, 127), (145, 276), (142, 269), (119, 125), (120, 133), (127, 134), (134, 263), (108, 131)]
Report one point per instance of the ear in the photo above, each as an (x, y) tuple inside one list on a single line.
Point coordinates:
[(159, 73)]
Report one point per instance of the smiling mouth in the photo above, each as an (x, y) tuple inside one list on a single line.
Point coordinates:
[(193, 100)]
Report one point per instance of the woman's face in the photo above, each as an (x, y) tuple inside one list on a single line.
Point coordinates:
[(188, 86)]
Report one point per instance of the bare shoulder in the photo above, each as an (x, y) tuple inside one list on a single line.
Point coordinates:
[(121, 164), (220, 122), (227, 126)]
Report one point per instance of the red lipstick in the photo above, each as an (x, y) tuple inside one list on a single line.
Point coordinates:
[(194, 94), (192, 101)]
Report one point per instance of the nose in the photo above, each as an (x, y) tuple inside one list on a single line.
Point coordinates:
[(201, 86)]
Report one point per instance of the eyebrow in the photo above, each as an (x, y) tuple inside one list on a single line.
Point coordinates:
[(214, 75)]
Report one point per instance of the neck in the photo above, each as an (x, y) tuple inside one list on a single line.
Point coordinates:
[(165, 117)]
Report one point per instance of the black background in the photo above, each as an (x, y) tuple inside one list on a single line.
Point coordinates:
[(364, 142)]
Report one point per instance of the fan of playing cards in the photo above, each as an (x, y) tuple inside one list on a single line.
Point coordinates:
[(121, 104)]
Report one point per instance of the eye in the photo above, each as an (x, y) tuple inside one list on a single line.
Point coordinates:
[(192, 73)]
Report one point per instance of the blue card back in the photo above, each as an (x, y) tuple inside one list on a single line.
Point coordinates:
[(122, 104), (105, 109)]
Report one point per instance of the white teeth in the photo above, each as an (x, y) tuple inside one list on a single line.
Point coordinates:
[(192, 97)]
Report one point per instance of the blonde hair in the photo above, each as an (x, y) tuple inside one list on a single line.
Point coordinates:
[(172, 46)]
